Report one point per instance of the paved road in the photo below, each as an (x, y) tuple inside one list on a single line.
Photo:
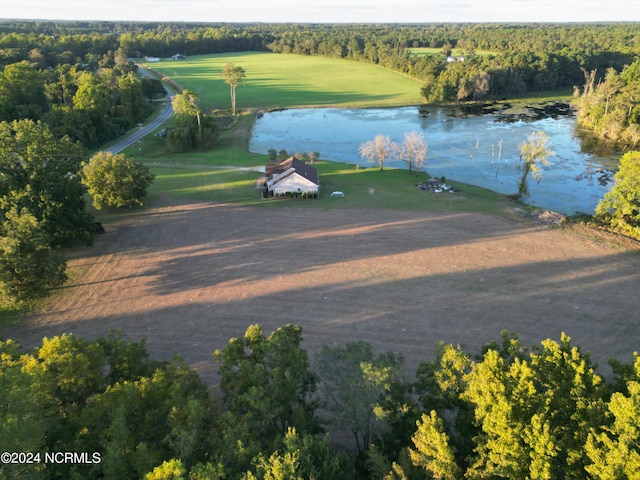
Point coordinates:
[(146, 129)]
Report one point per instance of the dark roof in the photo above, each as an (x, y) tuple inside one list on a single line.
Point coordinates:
[(299, 166)]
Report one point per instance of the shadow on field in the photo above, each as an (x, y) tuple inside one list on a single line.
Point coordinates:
[(593, 303), (191, 278)]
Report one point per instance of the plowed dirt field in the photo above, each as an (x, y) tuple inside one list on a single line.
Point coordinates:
[(189, 276)]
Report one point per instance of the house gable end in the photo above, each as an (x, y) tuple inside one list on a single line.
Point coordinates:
[(288, 166)]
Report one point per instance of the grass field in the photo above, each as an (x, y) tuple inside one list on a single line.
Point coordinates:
[(285, 81)]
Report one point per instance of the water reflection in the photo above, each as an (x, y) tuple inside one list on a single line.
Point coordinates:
[(478, 145)]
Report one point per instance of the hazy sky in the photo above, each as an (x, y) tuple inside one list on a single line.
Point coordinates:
[(356, 11)]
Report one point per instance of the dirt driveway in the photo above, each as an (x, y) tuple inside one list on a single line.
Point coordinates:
[(189, 276)]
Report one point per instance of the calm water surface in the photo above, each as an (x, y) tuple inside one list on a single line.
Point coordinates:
[(480, 150)]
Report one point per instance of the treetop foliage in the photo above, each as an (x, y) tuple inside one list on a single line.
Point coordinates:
[(534, 154), (115, 180), (513, 411), (620, 207)]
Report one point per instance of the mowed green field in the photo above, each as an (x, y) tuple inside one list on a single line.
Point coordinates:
[(287, 81)]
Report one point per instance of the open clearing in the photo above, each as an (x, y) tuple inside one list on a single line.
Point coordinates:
[(279, 81), (189, 275)]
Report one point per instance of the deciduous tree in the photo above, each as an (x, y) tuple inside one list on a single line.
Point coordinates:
[(23, 425), (300, 457), (116, 180), (413, 151), (620, 207), (355, 386), (21, 92), (432, 450), (168, 470), (191, 130), (615, 452), (29, 265), (534, 414), (40, 173), (267, 383), (186, 104)]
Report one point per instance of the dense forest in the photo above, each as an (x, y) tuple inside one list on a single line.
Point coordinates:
[(511, 411), (76, 76)]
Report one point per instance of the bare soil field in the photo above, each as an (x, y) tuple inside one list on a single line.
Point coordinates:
[(189, 276)]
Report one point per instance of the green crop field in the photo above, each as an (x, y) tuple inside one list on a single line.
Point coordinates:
[(285, 81)]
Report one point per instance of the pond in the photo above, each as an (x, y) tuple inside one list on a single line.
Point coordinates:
[(478, 147)]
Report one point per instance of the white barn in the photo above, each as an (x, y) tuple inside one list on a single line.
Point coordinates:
[(292, 176)]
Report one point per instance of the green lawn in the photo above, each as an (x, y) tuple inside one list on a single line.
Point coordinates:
[(285, 81), (363, 188)]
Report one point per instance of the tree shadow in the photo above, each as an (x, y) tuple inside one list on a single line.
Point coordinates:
[(402, 281)]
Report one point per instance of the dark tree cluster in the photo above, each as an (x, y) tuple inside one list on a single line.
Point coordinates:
[(90, 106), (42, 208), (80, 84), (512, 412)]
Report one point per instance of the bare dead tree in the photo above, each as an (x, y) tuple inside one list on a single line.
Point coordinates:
[(413, 151), (378, 150)]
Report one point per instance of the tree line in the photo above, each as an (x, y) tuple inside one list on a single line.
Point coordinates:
[(521, 57), (76, 76), (512, 411), (89, 105)]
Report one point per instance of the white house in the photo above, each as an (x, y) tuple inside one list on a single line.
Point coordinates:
[(292, 176)]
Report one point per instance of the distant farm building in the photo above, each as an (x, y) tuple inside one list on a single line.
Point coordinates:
[(292, 177), (178, 56), (152, 59)]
